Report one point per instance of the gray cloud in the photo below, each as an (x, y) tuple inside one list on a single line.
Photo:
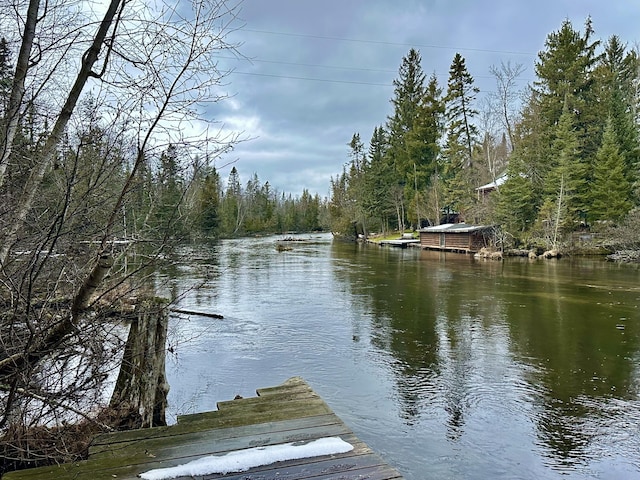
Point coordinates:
[(323, 70)]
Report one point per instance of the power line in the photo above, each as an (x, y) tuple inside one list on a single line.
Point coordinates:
[(315, 65), (334, 67), (322, 80), (378, 42), (311, 79)]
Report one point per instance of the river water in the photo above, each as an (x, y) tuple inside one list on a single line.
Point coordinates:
[(447, 366)]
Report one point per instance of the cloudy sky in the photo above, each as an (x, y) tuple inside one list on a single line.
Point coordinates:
[(319, 71)]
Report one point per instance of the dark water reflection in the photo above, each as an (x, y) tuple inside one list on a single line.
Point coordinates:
[(448, 366)]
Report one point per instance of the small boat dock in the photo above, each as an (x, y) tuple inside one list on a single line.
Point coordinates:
[(289, 415), (401, 243), (404, 241)]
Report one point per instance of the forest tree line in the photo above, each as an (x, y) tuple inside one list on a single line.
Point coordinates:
[(563, 152), (177, 192)]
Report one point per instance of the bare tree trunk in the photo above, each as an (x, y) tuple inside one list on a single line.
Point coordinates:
[(17, 90), (507, 95), (140, 394), (91, 283), (558, 213), (50, 147)]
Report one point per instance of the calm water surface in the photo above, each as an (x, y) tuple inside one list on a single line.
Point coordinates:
[(449, 367)]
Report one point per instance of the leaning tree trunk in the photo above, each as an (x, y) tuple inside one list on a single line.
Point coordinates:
[(140, 394)]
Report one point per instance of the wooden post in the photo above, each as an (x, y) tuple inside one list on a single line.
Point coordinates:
[(140, 394)]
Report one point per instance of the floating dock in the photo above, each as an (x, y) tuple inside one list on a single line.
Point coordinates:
[(291, 413), (400, 243)]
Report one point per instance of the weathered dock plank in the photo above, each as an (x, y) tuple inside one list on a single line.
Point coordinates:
[(213, 442), (104, 442), (285, 414)]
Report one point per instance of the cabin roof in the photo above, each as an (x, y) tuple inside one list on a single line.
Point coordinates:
[(454, 228), (493, 185)]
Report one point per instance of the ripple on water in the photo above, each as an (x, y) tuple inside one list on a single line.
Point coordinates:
[(444, 382)]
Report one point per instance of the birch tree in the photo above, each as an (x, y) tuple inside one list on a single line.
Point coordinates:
[(507, 96)]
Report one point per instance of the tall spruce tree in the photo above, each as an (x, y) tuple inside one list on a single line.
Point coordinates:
[(518, 202), (423, 140), (408, 94), (232, 208), (611, 191), (208, 202), (423, 145), (377, 199), (565, 75), (461, 94), (457, 170), (618, 75), (569, 170)]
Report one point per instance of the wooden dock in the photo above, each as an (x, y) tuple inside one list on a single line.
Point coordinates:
[(400, 243), (291, 412)]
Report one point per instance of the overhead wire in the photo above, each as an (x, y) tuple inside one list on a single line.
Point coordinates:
[(379, 42), (359, 69)]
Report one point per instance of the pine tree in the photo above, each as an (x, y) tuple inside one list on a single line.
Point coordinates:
[(461, 94), (569, 170), (457, 169), (208, 203), (376, 194), (618, 74), (423, 140), (517, 201), (232, 206), (169, 192), (408, 95), (611, 191), (565, 75)]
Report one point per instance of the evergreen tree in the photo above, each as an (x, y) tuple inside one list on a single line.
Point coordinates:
[(253, 221), (309, 207), (341, 205), (456, 172), (611, 191), (232, 208), (565, 75), (461, 94), (408, 95), (379, 178), (618, 75), (517, 202), (569, 170), (169, 185), (208, 203), (423, 145), (358, 157), (356, 183)]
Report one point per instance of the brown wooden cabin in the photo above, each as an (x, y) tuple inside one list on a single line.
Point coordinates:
[(458, 237)]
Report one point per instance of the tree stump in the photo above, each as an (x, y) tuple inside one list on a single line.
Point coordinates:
[(140, 394)]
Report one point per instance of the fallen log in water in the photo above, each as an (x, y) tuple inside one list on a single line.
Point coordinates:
[(195, 312)]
